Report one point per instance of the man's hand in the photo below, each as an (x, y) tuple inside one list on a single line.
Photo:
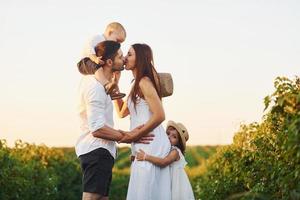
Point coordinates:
[(127, 137)]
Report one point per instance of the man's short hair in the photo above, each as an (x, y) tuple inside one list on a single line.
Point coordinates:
[(107, 49)]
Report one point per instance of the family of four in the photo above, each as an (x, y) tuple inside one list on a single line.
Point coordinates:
[(157, 167)]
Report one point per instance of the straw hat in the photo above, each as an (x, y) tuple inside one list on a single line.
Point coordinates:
[(166, 84), (184, 135)]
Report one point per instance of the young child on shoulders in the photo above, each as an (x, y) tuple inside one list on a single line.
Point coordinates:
[(89, 62)]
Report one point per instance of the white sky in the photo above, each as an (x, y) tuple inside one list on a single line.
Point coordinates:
[(223, 56)]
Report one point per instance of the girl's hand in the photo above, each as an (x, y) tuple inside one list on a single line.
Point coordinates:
[(141, 155)]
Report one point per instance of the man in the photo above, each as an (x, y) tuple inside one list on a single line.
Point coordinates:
[(96, 147), (89, 62)]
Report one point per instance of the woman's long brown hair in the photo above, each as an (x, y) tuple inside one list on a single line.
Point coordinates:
[(145, 68)]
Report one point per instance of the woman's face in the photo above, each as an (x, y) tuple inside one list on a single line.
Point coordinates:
[(130, 59), (173, 135)]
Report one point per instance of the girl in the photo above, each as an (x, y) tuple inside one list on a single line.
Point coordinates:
[(178, 135)]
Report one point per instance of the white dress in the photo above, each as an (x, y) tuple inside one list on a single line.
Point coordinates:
[(148, 181), (181, 187)]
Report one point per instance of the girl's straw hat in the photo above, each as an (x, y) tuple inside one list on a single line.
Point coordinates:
[(184, 135)]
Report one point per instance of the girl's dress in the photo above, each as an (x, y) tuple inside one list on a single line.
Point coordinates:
[(181, 187)]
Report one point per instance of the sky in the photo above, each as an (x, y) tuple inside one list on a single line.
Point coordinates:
[(223, 57)]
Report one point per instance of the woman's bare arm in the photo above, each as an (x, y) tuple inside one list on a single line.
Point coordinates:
[(121, 108), (120, 105)]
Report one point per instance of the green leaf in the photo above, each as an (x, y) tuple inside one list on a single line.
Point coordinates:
[(267, 101)]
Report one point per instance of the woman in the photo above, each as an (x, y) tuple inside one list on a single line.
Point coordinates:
[(147, 181)]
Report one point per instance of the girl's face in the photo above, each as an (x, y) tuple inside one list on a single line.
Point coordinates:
[(173, 135), (130, 59)]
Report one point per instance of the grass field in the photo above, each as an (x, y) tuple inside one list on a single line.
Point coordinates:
[(196, 157), (54, 173)]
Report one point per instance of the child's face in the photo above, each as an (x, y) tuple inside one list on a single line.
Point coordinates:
[(173, 135), (117, 36)]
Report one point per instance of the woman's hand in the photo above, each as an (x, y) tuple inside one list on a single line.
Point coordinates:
[(146, 139), (141, 155), (116, 77)]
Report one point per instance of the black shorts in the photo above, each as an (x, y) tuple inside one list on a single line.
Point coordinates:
[(97, 167)]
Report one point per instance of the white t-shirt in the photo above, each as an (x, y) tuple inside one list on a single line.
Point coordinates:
[(95, 110), (89, 47)]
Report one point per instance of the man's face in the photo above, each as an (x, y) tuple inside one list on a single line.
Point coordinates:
[(118, 61)]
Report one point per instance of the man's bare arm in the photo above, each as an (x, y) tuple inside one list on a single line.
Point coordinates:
[(108, 133)]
